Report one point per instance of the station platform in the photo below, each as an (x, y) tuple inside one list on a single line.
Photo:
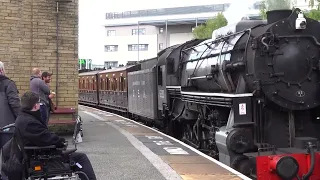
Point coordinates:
[(120, 148)]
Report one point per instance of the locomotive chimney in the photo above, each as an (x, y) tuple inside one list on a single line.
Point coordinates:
[(276, 15)]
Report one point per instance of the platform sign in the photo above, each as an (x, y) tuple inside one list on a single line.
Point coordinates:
[(85, 63), (242, 109)]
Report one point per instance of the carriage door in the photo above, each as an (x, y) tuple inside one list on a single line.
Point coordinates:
[(161, 81)]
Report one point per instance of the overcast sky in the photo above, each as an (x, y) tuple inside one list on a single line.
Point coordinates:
[(92, 15)]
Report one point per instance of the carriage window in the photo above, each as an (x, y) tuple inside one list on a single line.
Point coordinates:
[(124, 84), (115, 84), (159, 76), (101, 84), (87, 84), (110, 84), (121, 88), (107, 84)]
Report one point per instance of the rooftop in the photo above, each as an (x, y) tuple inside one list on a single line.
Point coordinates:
[(168, 11), (174, 11), (164, 22)]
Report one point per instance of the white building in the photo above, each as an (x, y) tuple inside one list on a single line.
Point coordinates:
[(119, 41), (140, 34), (158, 29)]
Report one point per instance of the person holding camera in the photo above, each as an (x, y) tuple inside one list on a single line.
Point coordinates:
[(46, 77), (34, 132), (38, 86)]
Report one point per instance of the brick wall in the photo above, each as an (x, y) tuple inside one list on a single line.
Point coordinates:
[(28, 39)]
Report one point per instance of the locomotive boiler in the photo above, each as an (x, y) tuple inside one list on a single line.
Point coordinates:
[(250, 95)]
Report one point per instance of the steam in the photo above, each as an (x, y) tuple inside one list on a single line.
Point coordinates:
[(239, 9)]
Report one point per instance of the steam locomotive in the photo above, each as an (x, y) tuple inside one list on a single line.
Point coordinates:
[(248, 97)]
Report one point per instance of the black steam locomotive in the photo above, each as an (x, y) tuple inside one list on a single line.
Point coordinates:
[(248, 96)]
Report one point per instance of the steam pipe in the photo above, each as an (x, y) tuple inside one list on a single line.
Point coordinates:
[(57, 45), (138, 39), (313, 158), (57, 52), (175, 118), (166, 35)]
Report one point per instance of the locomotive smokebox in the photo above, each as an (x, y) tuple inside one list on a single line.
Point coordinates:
[(276, 15)]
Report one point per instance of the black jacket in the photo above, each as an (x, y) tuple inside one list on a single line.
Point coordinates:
[(9, 101), (32, 132)]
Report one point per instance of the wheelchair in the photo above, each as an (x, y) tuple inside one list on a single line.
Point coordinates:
[(45, 163)]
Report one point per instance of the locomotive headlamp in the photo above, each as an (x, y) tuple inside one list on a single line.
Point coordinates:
[(286, 167), (301, 22)]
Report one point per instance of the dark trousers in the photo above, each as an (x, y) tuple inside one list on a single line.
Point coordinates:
[(84, 161), (44, 113)]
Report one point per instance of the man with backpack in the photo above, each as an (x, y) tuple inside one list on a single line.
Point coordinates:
[(9, 99)]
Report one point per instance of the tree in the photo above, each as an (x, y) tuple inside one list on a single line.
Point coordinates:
[(314, 13), (205, 31), (269, 5), (311, 3)]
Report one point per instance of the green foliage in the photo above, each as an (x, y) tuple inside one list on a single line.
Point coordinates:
[(205, 31), (263, 10), (313, 14)]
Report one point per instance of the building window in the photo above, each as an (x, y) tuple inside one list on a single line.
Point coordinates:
[(134, 47), (110, 48), (111, 32), (160, 46), (142, 31), (110, 64)]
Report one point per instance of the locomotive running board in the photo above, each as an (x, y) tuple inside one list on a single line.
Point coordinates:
[(210, 94)]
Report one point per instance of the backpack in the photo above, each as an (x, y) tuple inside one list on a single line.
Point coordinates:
[(13, 159)]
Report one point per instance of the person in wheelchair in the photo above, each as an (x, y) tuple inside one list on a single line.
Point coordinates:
[(33, 132)]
